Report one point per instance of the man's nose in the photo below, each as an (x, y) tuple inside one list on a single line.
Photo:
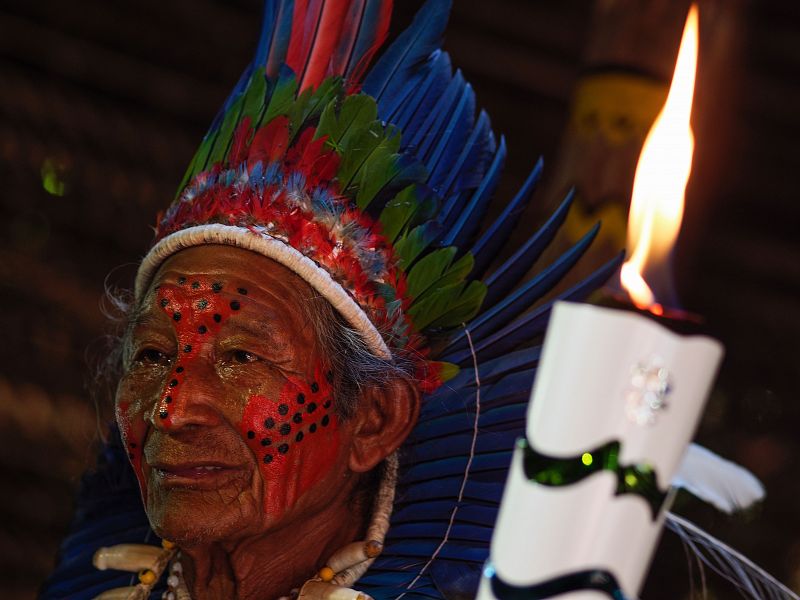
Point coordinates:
[(191, 397)]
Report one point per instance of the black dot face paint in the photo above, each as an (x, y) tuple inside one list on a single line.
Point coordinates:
[(235, 305), (242, 291), (216, 287), (251, 434), (189, 308), (285, 425)]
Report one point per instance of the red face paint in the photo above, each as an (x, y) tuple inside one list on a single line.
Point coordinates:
[(197, 309), (132, 433), (294, 437)]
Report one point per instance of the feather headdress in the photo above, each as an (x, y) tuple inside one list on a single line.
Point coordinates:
[(371, 184)]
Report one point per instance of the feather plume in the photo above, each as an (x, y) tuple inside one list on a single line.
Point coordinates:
[(751, 580), (718, 481)]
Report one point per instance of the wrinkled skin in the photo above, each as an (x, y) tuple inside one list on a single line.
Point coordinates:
[(227, 410)]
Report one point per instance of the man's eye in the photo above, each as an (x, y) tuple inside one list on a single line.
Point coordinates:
[(243, 357), (152, 356)]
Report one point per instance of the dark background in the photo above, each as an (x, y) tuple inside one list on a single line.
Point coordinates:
[(102, 105)]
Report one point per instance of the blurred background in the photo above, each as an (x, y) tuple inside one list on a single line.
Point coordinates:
[(102, 105)]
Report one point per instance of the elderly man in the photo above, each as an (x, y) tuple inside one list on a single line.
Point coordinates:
[(326, 243)]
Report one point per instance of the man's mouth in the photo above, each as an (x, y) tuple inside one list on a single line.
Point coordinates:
[(195, 474)]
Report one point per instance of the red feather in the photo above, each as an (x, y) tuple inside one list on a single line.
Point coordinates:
[(329, 32), (270, 142), (305, 21)]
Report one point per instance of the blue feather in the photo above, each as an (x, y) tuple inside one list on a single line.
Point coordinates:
[(505, 278), (486, 248), (515, 304), (533, 324), (271, 11), (417, 139), (469, 220), (471, 513), (365, 36), (401, 61), (422, 95), (451, 140), (467, 171), (279, 43), (491, 371)]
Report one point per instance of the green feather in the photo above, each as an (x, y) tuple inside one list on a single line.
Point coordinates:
[(356, 151), (310, 103), (455, 273), (448, 306), (355, 114), (428, 270), (398, 212), (281, 99), (447, 370), (412, 243), (378, 169), (255, 96), (464, 308), (225, 135)]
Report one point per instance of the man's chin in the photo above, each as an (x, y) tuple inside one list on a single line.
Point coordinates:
[(191, 517)]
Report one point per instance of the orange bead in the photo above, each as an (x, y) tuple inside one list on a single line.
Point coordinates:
[(326, 574), (147, 577)]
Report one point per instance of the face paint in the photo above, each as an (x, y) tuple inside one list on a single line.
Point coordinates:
[(132, 433), (197, 310), (294, 437)]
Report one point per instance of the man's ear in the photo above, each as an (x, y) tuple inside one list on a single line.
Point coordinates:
[(384, 417)]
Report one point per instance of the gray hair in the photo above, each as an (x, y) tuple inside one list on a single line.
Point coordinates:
[(354, 365)]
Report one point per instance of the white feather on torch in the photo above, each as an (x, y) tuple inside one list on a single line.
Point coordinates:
[(717, 481)]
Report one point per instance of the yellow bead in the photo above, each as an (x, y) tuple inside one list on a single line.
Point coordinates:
[(326, 574), (167, 544), (147, 577)]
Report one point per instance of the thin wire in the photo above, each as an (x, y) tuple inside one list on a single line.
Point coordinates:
[(466, 470)]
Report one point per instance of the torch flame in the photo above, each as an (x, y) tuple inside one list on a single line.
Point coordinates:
[(661, 176)]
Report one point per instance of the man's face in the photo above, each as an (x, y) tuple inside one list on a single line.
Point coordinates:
[(226, 406)]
